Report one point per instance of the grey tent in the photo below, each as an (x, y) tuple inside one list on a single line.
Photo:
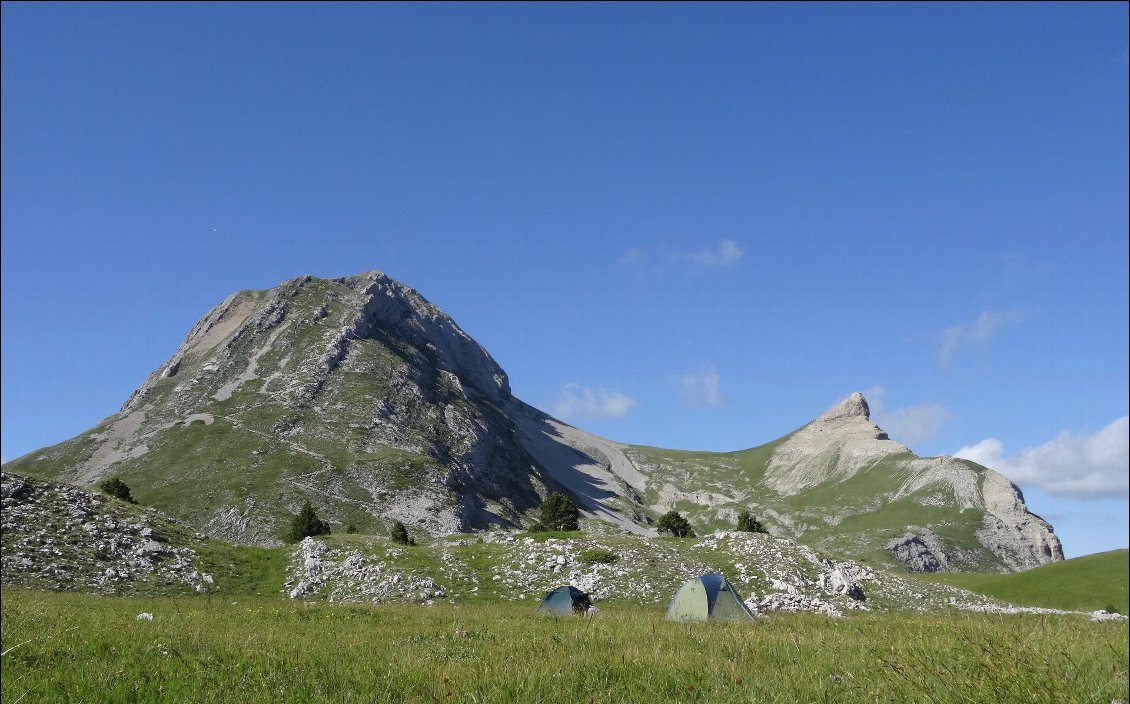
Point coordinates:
[(565, 601), (709, 597)]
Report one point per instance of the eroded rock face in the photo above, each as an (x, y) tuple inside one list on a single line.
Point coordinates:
[(1022, 539), (400, 310)]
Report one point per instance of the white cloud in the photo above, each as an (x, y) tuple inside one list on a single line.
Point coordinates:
[(701, 389), (1078, 466), (578, 402), (977, 333), (908, 424), (633, 256), (726, 253), (914, 424)]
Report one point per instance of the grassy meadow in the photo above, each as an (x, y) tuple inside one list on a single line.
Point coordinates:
[(1086, 583), (71, 647)]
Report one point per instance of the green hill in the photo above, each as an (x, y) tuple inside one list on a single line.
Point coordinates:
[(1086, 583)]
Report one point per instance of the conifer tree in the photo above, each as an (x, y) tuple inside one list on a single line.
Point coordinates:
[(558, 512), (673, 522), (749, 524), (306, 524), (117, 488), (399, 534)]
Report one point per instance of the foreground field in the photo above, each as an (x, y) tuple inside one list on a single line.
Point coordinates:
[(70, 647)]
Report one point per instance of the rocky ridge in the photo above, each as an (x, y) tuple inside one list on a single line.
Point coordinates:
[(61, 537), (776, 575)]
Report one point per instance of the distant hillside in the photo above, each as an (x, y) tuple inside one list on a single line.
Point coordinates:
[(1083, 583)]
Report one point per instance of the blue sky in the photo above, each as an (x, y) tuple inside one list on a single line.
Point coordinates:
[(691, 226)]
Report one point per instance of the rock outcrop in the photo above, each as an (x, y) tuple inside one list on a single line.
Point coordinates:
[(62, 538), (913, 552), (775, 575)]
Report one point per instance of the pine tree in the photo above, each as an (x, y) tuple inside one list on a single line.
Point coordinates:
[(749, 524), (117, 488), (558, 512), (673, 522), (306, 524), (399, 534)]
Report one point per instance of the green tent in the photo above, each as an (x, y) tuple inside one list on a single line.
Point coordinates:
[(709, 597), (565, 601)]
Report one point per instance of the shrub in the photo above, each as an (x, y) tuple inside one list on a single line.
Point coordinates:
[(558, 512), (117, 488), (594, 555), (673, 522), (306, 524), (399, 534), (749, 524)]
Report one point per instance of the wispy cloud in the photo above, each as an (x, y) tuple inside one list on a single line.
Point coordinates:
[(909, 424), (634, 256), (701, 389), (725, 253), (977, 333), (1078, 466), (915, 424), (578, 402)]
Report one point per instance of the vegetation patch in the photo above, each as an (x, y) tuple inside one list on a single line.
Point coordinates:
[(598, 556)]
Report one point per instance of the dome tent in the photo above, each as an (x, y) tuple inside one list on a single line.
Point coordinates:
[(709, 597), (565, 601)]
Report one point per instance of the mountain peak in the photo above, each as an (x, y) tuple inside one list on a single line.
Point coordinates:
[(360, 396), (854, 406)]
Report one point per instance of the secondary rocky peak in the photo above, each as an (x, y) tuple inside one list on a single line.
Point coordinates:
[(854, 406)]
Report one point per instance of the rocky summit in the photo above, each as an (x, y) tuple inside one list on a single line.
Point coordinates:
[(359, 395)]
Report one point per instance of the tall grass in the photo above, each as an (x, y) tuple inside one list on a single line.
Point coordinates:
[(69, 647)]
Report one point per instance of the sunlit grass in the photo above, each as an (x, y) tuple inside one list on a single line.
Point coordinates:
[(1084, 583), (69, 647)]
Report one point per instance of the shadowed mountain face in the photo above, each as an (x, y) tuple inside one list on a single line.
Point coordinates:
[(358, 394)]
